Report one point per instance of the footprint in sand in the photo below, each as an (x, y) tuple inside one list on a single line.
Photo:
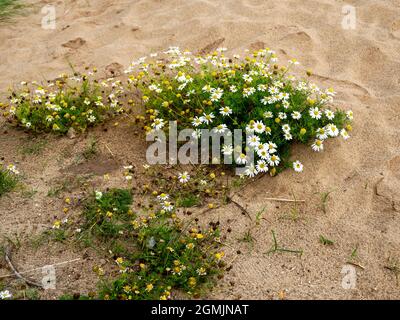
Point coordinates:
[(75, 43)]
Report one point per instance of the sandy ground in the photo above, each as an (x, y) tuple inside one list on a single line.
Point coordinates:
[(363, 65)]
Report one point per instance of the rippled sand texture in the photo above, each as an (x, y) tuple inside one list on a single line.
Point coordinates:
[(363, 65)]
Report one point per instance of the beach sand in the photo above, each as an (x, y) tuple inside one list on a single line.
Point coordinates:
[(362, 174)]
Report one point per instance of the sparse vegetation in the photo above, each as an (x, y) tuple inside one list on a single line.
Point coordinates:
[(8, 178)]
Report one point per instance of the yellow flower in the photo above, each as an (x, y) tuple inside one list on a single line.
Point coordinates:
[(57, 224), (109, 214), (119, 260), (199, 236), (192, 281), (219, 255), (149, 287), (303, 131), (212, 176), (67, 200)]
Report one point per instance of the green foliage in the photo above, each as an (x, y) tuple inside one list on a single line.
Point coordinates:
[(108, 214), (8, 180)]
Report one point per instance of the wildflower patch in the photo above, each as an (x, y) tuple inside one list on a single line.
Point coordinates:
[(78, 101), (254, 94)]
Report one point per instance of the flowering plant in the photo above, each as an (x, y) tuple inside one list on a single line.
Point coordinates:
[(76, 101), (8, 178), (254, 94)]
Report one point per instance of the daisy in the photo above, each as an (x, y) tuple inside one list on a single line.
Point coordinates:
[(262, 87), (207, 88), (282, 115), (227, 149), (167, 206), (197, 121), (241, 159), (273, 90), (247, 78), (220, 128), (5, 294), (344, 134), (216, 94), (184, 177), (163, 197), (263, 154), (297, 166), (98, 195), (233, 88), (225, 111), (253, 141), (315, 113), (329, 114), (349, 115), (296, 115), (317, 145), (158, 124), (259, 127), (274, 160), (261, 166), (321, 134), (250, 171), (207, 118), (271, 147), (287, 136), (286, 128), (247, 92), (250, 127), (268, 114), (333, 131), (196, 134)]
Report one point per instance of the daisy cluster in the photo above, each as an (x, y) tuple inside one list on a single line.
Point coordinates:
[(252, 93), (77, 101)]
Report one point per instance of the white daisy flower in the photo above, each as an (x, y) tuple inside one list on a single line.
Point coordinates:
[(329, 114), (225, 111), (282, 115), (163, 197), (297, 166), (287, 136), (274, 160), (233, 88), (197, 121), (268, 114), (207, 118), (227, 149), (167, 206), (349, 115), (315, 113), (296, 115), (261, 166), (259, 127), (250, 171), (253, 141), (317, 145), (241, 159), (286, 128), (271, 147), (321, 134), (98, 195), (333, 131), (344, 134), (184, 177), (221, 128), (158, 124)]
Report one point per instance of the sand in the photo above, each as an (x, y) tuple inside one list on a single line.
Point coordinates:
[(363, 65)]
